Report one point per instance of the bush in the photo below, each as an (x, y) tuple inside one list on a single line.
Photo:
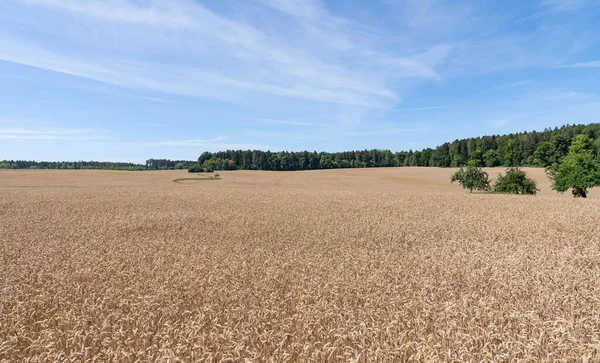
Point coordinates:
[(515, 181), (472, 178)]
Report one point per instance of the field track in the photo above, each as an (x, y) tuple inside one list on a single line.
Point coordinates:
[(392, 264)]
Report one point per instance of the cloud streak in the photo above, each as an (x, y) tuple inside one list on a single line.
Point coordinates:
[(297, 123), (191, 46), (592, 64), (49, 134), (213, 144)]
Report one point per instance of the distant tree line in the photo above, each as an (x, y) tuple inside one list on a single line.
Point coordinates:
[(303, 160), (534, 148), (151, 164)]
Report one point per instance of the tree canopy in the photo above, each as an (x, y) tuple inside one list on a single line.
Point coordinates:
[(579, 170), (515, 181), (472, 178), (151, 164), (534, 148)]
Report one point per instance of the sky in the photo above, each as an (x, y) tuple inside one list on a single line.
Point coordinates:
[(129, 80)]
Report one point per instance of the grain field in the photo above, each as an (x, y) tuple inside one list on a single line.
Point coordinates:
[(386, 265)]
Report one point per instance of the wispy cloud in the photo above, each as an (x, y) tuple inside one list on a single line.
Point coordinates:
[(153, 14), (296, 123), (190, 142), (592, 64), (565, 5), (565, 96), (422, 108), (213, 144), (499, 123), (123, 94), (257, 60), (521, 83), (554, 6), (389, 131), (49, 134)]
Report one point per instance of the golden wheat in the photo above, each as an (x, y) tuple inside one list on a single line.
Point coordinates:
[(324, 266)]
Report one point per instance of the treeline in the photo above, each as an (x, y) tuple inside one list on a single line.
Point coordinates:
[(151, 164), (522, 149), (534, 148), (304, 160)]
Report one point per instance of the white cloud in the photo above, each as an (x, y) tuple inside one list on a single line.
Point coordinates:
[(555, 6), (213, 144), (565, 96), (190, 142), (296, 123), (564, 5), (122, 11), (422, 108), (123, 94), (521, 83), (49, 134), (592, 64), (499, 123), (182, 47), (389, 131)]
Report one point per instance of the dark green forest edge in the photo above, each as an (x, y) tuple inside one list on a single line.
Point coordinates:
[(541, 149), (151, 164)]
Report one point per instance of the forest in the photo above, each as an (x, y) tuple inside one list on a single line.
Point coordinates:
[(534, 148), (151, 164)]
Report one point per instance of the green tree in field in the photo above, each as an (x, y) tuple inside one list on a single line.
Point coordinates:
[(515, 181), (579, 170), (472, 178)]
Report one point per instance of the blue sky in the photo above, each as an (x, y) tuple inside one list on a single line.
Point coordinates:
[(128, 80)]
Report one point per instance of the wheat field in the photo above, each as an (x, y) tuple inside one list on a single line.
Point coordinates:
[(385, 265)]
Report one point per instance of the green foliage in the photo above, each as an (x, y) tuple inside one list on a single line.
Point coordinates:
[(579, 170), (508, 153), (204, 157), (472, 178), (544, 154), (456, 161), (180, 181), (515, 181), (166, 164), (196, 169), (527, 148), (490, 158), (522, 149), (151, 164), (582, 144)]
